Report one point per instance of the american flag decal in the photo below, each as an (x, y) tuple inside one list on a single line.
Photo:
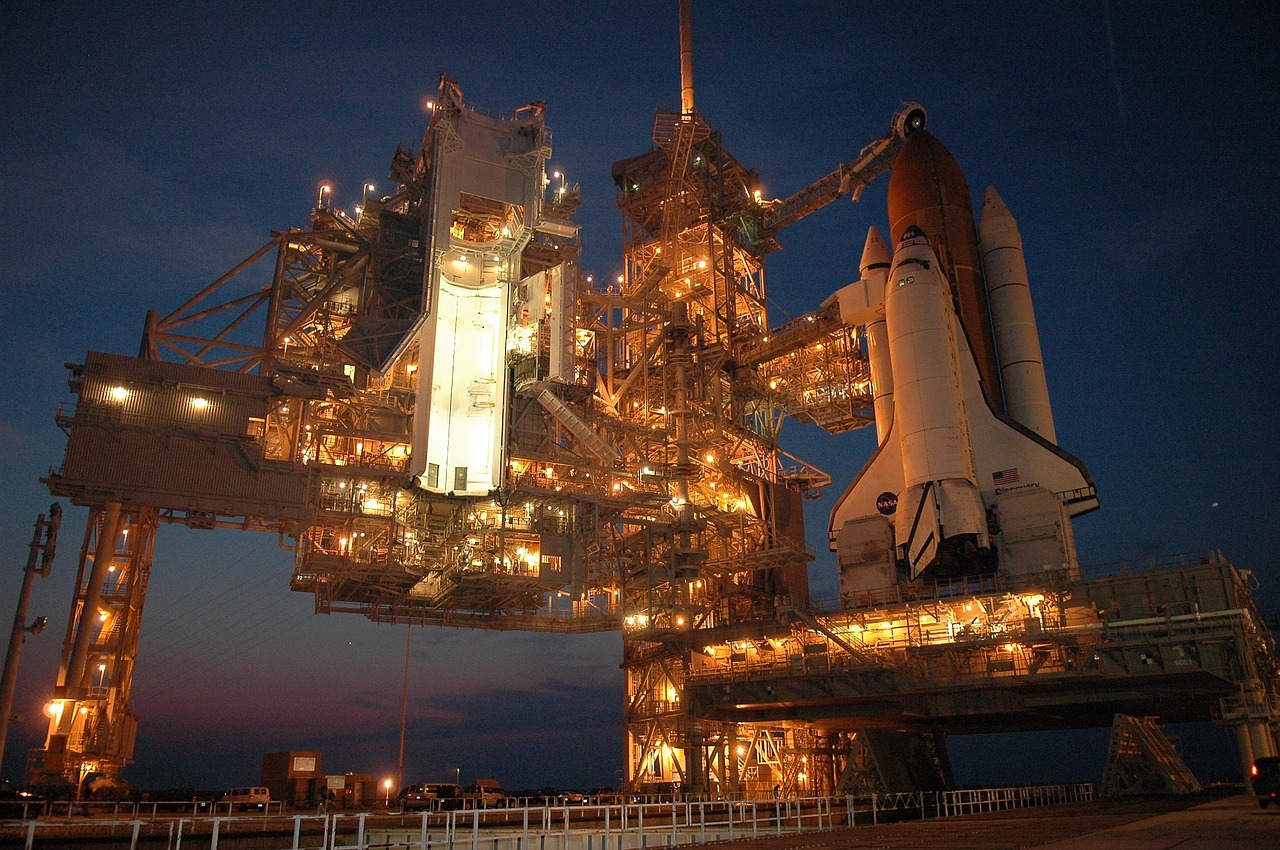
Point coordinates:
[(1005, 476)]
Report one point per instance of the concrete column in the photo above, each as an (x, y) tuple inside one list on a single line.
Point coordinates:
[(1245, 748), (1260, 739)]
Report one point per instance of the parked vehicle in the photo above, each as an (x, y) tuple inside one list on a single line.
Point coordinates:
[(416, 798), (255, 797), (431, 796), (1266, 780), (448, 795), (16, 804), (484, 794)]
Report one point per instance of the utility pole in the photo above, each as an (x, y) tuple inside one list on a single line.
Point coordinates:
[(43, 552), (404, 705)]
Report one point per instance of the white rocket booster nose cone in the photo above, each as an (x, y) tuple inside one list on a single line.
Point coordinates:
[(993, 205), (875, 253)]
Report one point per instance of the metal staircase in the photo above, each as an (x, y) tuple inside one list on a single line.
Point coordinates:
[(1142, 760)]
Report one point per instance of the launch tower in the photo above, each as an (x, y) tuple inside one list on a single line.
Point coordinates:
[(447, 423)]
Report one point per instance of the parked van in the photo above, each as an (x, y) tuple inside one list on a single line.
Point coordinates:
[(247, 798), (417, 798), (431, 796)]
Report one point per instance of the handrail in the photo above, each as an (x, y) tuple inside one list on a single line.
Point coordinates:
[(630, 822)]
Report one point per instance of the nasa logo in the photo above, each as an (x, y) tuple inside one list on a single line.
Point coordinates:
[(887, 503)]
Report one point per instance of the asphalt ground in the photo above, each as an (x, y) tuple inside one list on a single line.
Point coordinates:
[(1206, 821)]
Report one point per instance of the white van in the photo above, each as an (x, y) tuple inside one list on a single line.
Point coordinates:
[(247, 798)]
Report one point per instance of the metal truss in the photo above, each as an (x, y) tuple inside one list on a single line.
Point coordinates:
[(92, 720)]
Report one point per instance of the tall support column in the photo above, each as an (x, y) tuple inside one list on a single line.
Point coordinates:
[(1264, 746), (86, 622), (92, 725), (1244, 747), (695, 764)]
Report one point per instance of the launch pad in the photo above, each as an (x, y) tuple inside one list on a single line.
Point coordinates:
[(448, 423)]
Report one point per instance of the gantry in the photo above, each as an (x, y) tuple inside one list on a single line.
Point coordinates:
[(447, 423)]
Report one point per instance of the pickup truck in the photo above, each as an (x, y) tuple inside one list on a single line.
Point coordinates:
[(484, 794)]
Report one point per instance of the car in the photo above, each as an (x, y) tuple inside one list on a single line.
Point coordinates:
[(1266, 780)]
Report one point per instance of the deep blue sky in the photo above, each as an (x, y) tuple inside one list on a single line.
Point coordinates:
[(145, 150)]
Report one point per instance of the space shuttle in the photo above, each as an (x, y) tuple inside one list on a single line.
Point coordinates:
[(967, 477)]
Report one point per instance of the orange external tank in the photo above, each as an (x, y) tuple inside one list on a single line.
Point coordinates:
[(927, 189)]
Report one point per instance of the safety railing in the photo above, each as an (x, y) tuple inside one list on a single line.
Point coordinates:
[(620, 826), (975, 800), (128, 810)]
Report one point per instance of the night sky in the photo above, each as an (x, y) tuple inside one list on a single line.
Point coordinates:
[(146, 150)]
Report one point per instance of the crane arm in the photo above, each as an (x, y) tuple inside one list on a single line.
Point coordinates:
[(851, 178)]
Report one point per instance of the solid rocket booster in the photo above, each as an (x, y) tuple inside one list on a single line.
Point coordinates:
[(927, 189), (1013, 320), (875, 271), (941, 493)]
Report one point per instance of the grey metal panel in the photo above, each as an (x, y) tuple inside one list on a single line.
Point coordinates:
[(1196, 588), (148, 444), (181, 471), (132, 391)]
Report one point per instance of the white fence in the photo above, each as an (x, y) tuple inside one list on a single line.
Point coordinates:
[(123, 810), (630, 826)]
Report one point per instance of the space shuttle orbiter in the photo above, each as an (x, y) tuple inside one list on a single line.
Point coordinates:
[(967, 478)]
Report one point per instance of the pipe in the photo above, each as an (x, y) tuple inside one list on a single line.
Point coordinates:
[(8, 684)]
